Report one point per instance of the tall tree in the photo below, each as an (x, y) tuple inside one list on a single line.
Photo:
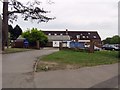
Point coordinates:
[(0, 32), (30, 10), (112, 40), (14, 33), (35, 35), (107, 40), (115, 40)]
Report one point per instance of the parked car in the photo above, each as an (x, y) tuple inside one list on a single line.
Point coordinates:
[(110, 47), (97, 48)]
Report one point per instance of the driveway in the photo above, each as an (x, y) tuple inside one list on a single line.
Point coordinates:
[(18, 73), (18, 68)]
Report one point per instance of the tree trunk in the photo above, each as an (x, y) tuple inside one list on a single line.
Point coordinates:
[(38, 44), (0, 33), (5, 25), (60, 47), (91, 46)]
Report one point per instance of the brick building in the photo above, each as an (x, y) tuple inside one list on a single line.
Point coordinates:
[(83, 37)]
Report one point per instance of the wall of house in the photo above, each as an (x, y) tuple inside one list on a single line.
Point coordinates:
[(81, 36), (56, 43)]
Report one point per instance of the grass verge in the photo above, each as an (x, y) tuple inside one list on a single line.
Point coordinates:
[(68, 59)]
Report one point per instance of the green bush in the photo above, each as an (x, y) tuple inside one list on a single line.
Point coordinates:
[(34, 35)]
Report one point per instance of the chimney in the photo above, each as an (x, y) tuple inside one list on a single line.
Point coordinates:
[(66, 31)]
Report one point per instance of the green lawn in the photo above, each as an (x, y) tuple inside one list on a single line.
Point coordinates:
[(15, 50), (82, 58)]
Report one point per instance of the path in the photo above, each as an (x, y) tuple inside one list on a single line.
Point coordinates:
[(18, 68)]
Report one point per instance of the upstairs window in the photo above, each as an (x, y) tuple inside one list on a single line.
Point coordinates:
[(83, 36), (94, 37), (78, 36), (89, 33), (61, 34), (49, 34), (55, 34)]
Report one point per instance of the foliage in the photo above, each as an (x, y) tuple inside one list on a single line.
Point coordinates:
[(28, 11), (14, 32), (34, 35), (114, 40)]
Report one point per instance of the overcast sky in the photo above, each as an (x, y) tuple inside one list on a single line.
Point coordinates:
[(90, 15)]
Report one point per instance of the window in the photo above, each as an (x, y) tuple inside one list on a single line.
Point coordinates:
[(55, 34), (49, 34), (61, 34), (83, 36), (94, 36), (78, 36), (89, 33)]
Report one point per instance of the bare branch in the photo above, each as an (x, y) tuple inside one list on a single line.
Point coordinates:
[(31, 11)]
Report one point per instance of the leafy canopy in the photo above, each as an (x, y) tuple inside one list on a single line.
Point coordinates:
[(34, 35), (114, 40), (28, 11), (14, 32)]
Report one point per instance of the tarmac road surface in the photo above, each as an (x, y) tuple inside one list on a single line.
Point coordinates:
[(17, 68), (18, 73), (103, 76)]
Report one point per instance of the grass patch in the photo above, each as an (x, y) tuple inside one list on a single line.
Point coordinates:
[(80, 59), (15, 50)]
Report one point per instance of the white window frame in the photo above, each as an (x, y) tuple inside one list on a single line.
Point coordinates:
[(49, 34), (94, 37)]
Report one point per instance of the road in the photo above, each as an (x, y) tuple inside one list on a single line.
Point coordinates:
[(17, 68), (103, 76), (18, 73)]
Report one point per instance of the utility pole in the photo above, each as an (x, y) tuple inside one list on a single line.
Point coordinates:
[(5, 24)]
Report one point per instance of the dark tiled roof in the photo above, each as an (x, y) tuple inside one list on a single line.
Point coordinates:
[(84, 35)]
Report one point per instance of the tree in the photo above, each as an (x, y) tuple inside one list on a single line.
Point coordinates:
[(14, 33), (113, 40), (34, 35), (28, 11), (107, 40), (0, 32)]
